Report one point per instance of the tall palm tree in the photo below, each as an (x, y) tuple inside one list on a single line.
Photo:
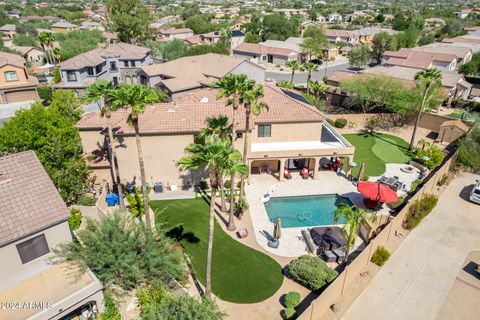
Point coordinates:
[(217, 128), (57, 55), (215, 156), (430, 78), (231, 87), (46, 40), (294, 65), (309, 67), (250, 99), (136, 97), (101, 90), (353, 217), (317, 88)]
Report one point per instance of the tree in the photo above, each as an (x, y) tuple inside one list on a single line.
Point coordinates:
[(252, 38), (469, 149), (136, 97), (359, 56), (399, 22), (199, 24), (130, 18), (470, 68), (168, 51), (317, 88), (102, 90), (426, 39), (312, 48), (46, 39), (276, 27), (406, 39), (123, 252), (250, 100), (453, 28), (76, 42), (24, 40), (380, 18), (136, 204), (294, 65), (56, 143), (353, 217), (231, 87), (214, 157), (309, 68), (381, 42), (67, 104), (315, 32), (430, 79)]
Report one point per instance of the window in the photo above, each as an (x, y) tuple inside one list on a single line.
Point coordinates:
[(264, 58), (128, 80), (71, 76), (11, 76), (125, 64), (134, 80), (115, 81), (98, 69), (113, 66), (33, 248), (90, 71), (264, 130), (132, 63)]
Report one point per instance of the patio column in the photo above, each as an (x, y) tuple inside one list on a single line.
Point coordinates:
[(281, 177), (316, 164)]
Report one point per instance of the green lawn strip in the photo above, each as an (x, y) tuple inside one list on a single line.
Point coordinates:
[(391, 149), (240, 274)]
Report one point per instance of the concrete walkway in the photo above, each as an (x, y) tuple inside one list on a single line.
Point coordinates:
[(416, 280)]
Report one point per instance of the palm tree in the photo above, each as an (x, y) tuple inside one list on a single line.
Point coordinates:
[(250, 99), (217, 128), (102, 89), (317, 87), (57, 55), (231, 87), (46, 40), (215, 156), (429, 78), (309, 67), (294, 65), (136, 97), (353, 217)]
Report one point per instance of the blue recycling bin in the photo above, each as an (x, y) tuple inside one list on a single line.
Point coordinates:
[(112, 199)]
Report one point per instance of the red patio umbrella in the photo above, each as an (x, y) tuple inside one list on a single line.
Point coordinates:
[(377, 191)]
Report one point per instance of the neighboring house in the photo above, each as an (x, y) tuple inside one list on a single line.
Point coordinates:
[(462, 14), (463, 54), (419, 59), (15, 83), (434, 23), (182, 75), (237, 37), (348, 36), (110, 37), (330, 52), (117, 63), (263, 53), (365, 35), (358, 15), (8, 33), (290, 133), (211, 37), (174, 33), (30, 230), (475, 39), (310, 23), (63, 27), (291, 12), (334, 18), (92, 25), (30, 54)]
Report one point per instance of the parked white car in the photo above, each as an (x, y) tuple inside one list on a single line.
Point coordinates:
[(475, 194)]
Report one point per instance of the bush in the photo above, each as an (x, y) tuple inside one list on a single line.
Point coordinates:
[(111, 311), (289, 312), (396, 204), (330, 122), (433, 153), (285, 84), (341, 123), (240, 207), (45, 93), (312, 272), (380, 256), (291, 299), (469, 149), (86, 200), (419, 210), (372, 123), (415, 184), (75, 219)]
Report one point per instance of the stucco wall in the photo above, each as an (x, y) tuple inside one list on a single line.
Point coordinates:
[(252, 71), (13, 270), (22, 79), (290, 132)]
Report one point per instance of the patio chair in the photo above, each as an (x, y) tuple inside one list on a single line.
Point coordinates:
[(329, 256), (287, 174), (340, 254), (304, 173)]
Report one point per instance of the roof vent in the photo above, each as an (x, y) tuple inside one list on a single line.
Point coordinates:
[(4, 179), (204, 100)]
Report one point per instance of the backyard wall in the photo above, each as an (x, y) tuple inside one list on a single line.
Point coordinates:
[(350, 274)]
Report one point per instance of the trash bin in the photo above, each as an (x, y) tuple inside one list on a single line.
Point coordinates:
[(158, 187), (130, 188), (111, 199)]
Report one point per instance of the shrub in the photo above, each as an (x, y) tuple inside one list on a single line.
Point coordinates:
[(45, 93), (396, 204), (111, 311), (75, 219), (415, 184), (289, 312), (433, 153), (372, 123), (330, 122), (291, 299), (341, 123), (86, 200), (419, 209), (380, 256), (285, 84), (469, 149), (312, 272), (443, 180), (240, 207)]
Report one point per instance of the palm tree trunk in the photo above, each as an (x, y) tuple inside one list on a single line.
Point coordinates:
[(222, 194), (308, 81), (231, 217), (245, 151), (293, 74), (417, 121), (146, 208), (116, 173), (208, 277)]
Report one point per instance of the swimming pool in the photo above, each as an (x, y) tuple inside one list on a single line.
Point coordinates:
[(305, 211)]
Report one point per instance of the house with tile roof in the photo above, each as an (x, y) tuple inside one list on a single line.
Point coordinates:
[(117, 63), (63, 27), (169, 34), (182, 75), (419, 59), (16, 85), (291, 129), (33, 222), (265, 53)]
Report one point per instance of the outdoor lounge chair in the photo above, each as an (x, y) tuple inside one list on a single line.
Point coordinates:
[(304, 173), (329, 256), (340, 255), (311, 247)]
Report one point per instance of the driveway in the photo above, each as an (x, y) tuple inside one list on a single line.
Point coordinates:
[(417, 279)]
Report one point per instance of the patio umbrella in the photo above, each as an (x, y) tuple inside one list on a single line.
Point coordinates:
[(377, 191), (361, 172), (277, 227)]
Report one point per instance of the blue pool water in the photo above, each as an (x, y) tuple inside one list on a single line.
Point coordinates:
[(305, 211)]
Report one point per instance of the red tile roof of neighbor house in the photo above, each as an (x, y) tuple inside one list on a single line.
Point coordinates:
[(189, 113), (11, 59), (461, 40), (29, 200), (170, 31), (340, 33), (262, 49), (416, 59)]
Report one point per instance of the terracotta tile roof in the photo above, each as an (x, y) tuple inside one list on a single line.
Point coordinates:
[(340, 33), (30, 201), (11, 59), (189, 113), (195, 39), (263, 49), (458, 123), (461, 40), (8, 27), (64, 25), (170, 31), (415, 59)]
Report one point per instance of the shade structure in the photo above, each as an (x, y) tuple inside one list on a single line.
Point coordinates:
[(277, 229), (377, 191)]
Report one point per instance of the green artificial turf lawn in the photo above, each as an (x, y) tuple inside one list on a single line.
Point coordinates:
[(240, 274), (376, 150)]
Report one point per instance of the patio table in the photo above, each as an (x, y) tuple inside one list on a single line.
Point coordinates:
[(392, 183)]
